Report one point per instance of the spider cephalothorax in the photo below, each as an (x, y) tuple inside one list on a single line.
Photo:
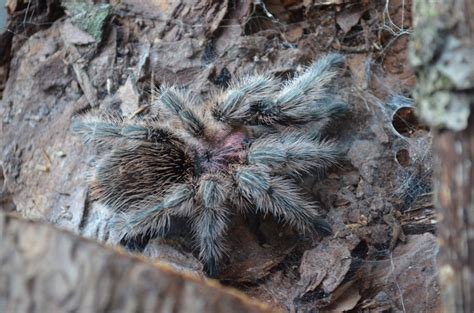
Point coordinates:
[(238, 152)]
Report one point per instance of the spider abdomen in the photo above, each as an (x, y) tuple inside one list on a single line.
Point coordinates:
[(137, 172)]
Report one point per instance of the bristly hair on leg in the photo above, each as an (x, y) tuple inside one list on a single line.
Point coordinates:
[(212, 217), (179, 104), (293, 152), (279, 197), (101, 132), (153, 219), (306, 97), (234, 106), (97, 130)]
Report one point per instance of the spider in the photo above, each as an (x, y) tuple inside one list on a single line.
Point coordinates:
[(240, 152)]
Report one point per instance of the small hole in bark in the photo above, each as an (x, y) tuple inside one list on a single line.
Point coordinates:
[(403, 157), (406, 123), (6, 198)]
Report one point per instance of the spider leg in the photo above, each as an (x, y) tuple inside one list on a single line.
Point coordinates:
[(293, 152), (136, 244), (306, 97), (211, 220), (234, 106), (279, 197), (99, 131), (154, 219), (179, 104)]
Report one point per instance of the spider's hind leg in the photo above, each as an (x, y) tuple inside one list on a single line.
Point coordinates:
[(211, 221), (95, 129), (141, 224), (279, 197), (293, 152)]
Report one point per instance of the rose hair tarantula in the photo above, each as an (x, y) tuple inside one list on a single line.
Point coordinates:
[(241, 151)]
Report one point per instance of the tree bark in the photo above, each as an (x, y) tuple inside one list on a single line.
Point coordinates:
[(43, 269), (454, 185), (441, 53)]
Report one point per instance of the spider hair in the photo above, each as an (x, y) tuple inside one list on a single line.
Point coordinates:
[(152, 216), (280, 197), (212, 218), (179, 105), (293, 152), (234, 106), (306, 97), (99, 131)]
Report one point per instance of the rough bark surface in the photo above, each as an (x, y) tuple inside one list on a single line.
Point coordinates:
[(43, 269), (454, 183), (441, 52)]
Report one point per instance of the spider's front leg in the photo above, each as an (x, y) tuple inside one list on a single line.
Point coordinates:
[(235, 105), (211, 219), (305, 98), (100, 131), (179, 104), (279, 197)]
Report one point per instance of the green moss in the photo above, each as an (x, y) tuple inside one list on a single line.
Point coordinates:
[(89, 17)]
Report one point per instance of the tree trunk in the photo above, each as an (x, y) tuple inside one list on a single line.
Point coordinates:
[(441, 53), (43, 269)]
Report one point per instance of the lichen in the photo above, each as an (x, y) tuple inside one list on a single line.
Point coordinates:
[(444, 73), (89, 17)]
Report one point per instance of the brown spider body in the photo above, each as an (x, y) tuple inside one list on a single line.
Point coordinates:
[(208, 162)]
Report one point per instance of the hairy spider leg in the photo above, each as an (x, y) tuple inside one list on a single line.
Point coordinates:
[(235, 104), (280, 197), (179, 103), (306, 97), (154, 220), (212, 217), (293, 152), (96, 130)]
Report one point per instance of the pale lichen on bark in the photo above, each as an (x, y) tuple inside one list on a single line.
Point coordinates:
[(442, 58)]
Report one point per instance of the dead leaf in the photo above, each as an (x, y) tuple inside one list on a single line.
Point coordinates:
[(344, 298), (74, 35), (324, 266), (294, 34), (179, 260), (349, 17), (11, 6), (250, 259), (144, 53), (129, 97), (357, 64)]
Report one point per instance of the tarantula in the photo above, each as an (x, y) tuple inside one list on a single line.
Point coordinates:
[(241, 151)]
